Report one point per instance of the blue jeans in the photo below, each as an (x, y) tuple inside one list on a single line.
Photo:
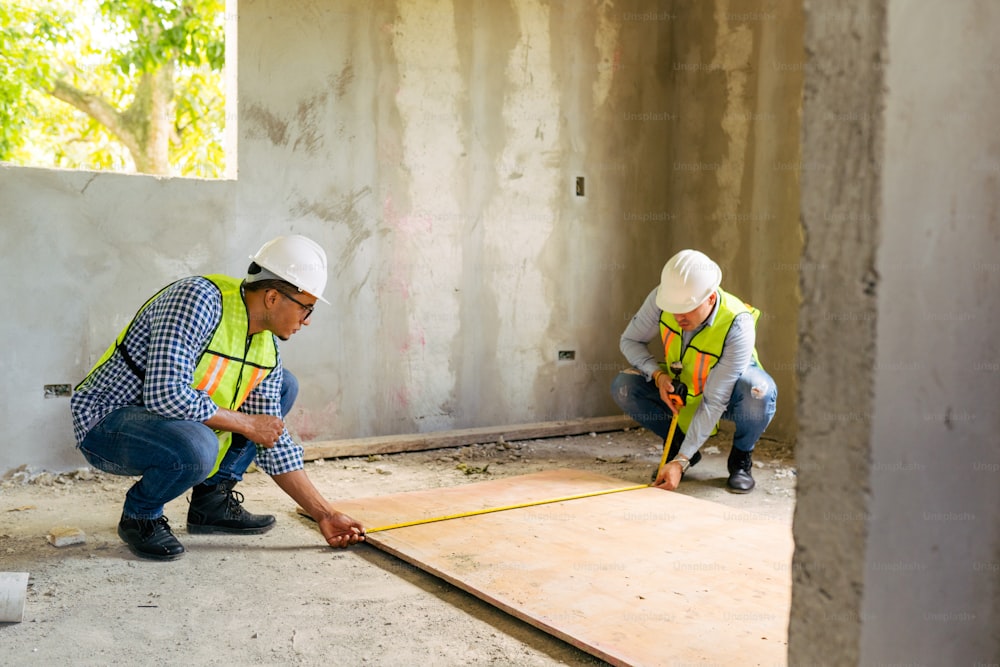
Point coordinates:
[(640, 399), (169, 455)]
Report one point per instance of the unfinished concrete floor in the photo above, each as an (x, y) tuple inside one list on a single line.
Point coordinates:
[(285, 598)]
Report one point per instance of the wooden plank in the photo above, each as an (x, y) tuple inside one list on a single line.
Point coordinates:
[(642, 577), (412, 442)]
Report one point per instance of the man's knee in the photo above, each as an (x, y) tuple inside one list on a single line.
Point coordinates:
[(197, 449), (623, 386), (763, 389), (754, 396)]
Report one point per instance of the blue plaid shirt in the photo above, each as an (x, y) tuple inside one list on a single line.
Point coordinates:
[(167, 340)]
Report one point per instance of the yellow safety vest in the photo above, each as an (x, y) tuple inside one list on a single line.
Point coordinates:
[(231, 366), (703, 352)]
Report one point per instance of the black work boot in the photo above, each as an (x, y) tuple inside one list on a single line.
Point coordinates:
[(740, 463), (217, 509), (150, 538)]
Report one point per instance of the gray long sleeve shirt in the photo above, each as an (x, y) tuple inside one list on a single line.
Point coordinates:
[(737, 354)]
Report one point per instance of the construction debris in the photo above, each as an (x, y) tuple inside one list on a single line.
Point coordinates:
[(64, 536), (13, 589)]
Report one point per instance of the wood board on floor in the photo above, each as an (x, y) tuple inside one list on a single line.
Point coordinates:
[(641, 577), (413, 442)]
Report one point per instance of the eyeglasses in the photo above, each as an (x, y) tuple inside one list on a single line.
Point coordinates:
[(308, 309)]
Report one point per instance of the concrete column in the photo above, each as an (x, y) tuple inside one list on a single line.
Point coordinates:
[(896, 528), (734, 78), (842, 129)]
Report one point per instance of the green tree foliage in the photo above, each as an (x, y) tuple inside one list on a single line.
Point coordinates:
[(113, 84), (20, 69)]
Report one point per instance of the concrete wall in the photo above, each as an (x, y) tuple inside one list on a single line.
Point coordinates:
[(735, 72), (433, 148), (897, 538), (81, 252)]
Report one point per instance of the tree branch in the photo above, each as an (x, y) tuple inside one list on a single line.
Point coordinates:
[(105, 114)]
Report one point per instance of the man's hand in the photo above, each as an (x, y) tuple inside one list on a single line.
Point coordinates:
[(666, 387), (669, 477), (341, 530), (261, 429)]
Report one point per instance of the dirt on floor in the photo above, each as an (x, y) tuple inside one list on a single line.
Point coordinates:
[(285, 598)]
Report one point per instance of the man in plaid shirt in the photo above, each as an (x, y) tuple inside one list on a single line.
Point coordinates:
[(198, 369)]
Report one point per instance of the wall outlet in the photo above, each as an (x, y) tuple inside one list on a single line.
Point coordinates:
[(567, 355), (58, 390)]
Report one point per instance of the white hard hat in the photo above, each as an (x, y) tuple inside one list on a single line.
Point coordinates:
[(688, 279), (296, 259)]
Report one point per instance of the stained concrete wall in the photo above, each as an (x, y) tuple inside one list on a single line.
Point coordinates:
[(897, 538), (436, 146), (433, 148), (735, 72)]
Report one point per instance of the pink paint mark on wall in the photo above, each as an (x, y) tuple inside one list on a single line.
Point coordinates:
[(310, 424), (389, 152), (414, 339), (401, 397), (389, 214), (403, 253), (414, 224), (397, 283)]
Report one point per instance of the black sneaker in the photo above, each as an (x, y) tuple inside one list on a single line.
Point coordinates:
[(740, 464), (150, 538), (218, 509)]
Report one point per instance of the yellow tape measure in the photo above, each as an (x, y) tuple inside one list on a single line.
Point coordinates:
[(502, 508)]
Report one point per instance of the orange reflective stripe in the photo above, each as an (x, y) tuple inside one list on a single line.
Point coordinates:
[(696, 374), (216, 371), (219, 376), (668, 338), (255, 379), (210, 373), (700, 374)]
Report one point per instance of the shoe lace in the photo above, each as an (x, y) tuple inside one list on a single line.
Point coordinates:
[(234, 500), (149, 527)]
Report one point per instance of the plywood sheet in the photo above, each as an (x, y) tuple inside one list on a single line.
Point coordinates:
[(641, 577)]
